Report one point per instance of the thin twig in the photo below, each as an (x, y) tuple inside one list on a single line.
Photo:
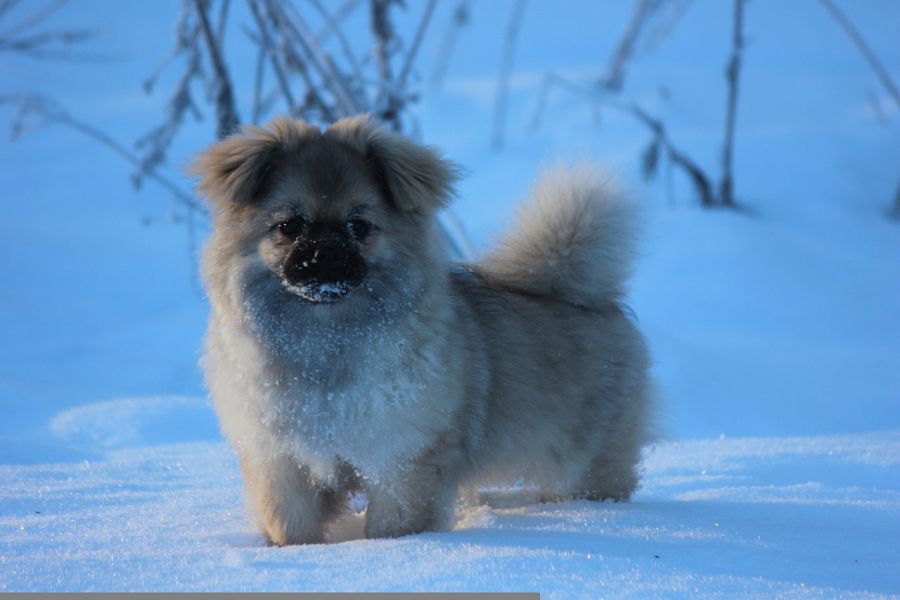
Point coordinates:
[(459, 20), (53, 45), (460, 245), (679, 158), (186, 33), (664, 26), (269, 48), (732, 75), (417, 41), (895, 213), (160, 139), (550, 80), (315, 56), (506, 66), (6, 5), (223, 18), (392, 94), (342, 12), (227, 120), (52, 112), (860, 42), (292, 59), (383, 32), (258, 78), (332, 24), (33, 19), (615, 72)]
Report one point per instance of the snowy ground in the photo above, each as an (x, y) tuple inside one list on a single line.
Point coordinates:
[(776, 333), (789, 515)]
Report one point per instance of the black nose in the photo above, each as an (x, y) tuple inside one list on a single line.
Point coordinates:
[(325, 260)]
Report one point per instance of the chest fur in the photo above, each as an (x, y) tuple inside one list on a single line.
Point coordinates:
[(373, 399)]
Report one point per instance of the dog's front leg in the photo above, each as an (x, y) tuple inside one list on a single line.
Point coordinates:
[(418, 496), (290, 505)]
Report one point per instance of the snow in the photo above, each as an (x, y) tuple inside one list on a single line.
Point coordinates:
[(775, 332), (755, 516)]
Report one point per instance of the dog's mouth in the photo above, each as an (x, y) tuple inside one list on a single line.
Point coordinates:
[(316, 292)]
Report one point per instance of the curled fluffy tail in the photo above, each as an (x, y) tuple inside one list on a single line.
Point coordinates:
[(574, 240)]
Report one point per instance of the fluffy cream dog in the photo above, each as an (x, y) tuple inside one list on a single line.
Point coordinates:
[(345, 351)]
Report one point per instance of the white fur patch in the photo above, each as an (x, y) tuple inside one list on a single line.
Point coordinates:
[(387, 414)]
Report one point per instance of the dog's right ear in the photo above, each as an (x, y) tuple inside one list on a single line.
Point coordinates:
[(237, 169)]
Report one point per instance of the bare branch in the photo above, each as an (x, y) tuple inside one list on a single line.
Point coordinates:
[(701, 182), (33, 19), (732, 74), (288, 56), (615, 72), (393, 95), (49, 44), (614, 78), (506, 65), (7, 5), (342, 12), (186, 33), (895, 212), (663, 26), (330, 86), (611, 84), (551, 80), (661, 139), (861, 44), (383, 31), (159, 140), (459, 20), (333, 26), (30, 105), (297, 29), (456, 235), (227, 118), (260, 74), (223, 19), (268, 48), (417, 41)]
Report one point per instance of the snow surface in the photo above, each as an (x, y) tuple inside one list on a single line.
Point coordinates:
[(775, 332), (788, 515)]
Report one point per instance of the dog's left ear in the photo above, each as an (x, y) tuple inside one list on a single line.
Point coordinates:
[(414, 178)]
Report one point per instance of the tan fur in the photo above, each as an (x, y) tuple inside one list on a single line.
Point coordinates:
[(429, 376)]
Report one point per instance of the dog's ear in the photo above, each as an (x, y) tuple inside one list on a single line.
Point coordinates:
[(237, 169), (412, 177)]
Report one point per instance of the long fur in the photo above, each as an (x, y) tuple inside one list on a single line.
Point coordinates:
[(574, 239), (431, 377)]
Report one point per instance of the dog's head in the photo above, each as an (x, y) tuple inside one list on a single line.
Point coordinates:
[(326, 213)]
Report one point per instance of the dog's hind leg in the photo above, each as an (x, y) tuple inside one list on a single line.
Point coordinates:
[(613, 472), (609, 478)]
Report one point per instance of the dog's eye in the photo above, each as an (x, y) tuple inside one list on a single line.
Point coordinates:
[(359, 228), (292, 227)]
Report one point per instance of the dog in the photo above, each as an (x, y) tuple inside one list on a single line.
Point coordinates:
[(345, 352)]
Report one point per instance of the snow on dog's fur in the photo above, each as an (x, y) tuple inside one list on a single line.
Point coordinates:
[(395, 371)]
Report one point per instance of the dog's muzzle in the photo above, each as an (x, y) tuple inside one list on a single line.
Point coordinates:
[(324, 270)]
